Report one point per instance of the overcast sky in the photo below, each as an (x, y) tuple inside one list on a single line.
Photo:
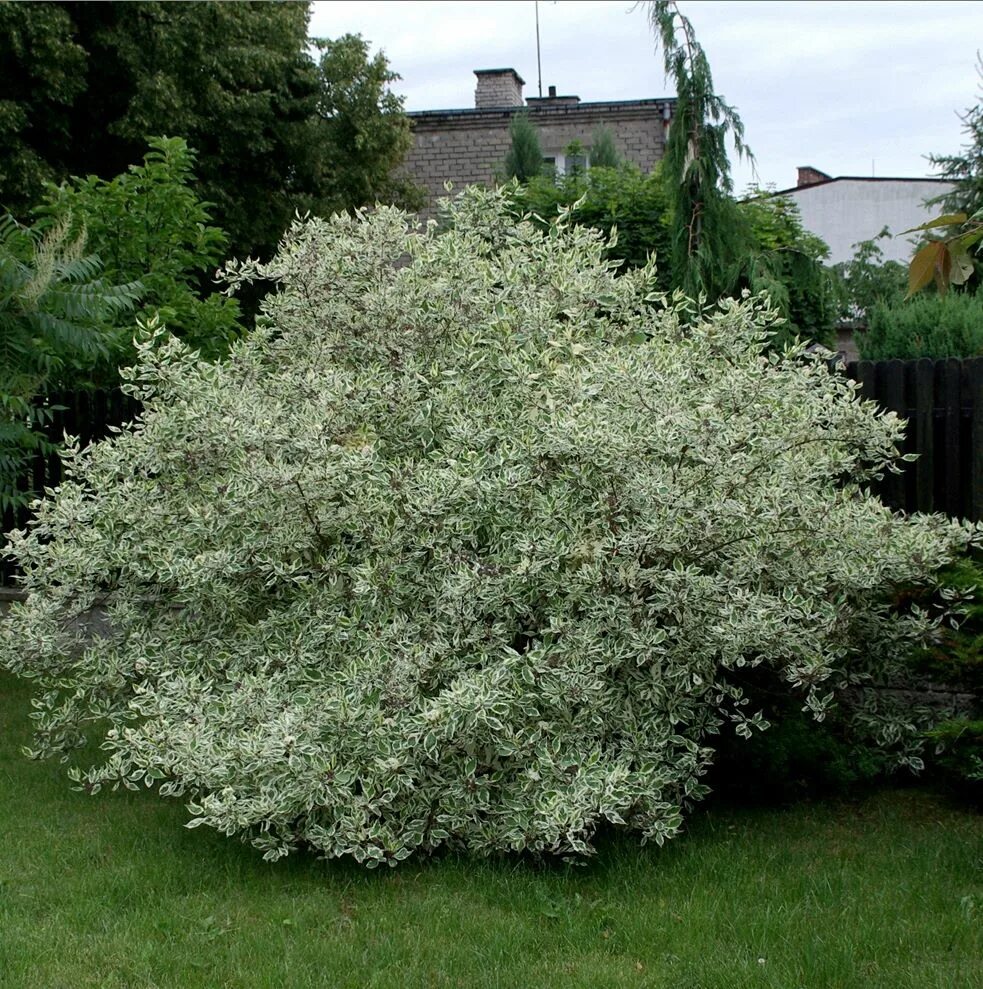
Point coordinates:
[(854, 88)]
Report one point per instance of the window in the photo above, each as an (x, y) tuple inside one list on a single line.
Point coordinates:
[(575, 163), (567, 162)]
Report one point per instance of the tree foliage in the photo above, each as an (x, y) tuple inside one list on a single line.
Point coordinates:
[(149, 225), (470, 543), (953, 259), (706, 237), (867, 280), (361, 128), (603, 153), (720, 247), (780, 257), (786, 262), (965, 169), (945, 261), (43, 76), (88, 83), (56, 317), (622, 201), (524, 159)]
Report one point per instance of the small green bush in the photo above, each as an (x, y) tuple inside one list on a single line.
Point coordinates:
[(468, 544), (925, 326), (622, 199), (524, 159), (959, 753), (954, 662), (956, 656), (944, 681), (603, 152), (149, 225), (797, 757)]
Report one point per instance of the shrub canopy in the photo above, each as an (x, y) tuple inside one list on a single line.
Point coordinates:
[(469, 543), (935, 326)]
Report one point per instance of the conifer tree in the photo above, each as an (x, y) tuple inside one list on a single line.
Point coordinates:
[(965, 169), (603, 153), (707, 244), (524, 159), (953, 258)]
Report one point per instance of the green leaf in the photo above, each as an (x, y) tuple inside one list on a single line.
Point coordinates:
[(969, 238), (948, 220), (962, 264)]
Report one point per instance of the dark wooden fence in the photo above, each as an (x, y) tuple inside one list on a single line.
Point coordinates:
[(87, 415), (943, 403)]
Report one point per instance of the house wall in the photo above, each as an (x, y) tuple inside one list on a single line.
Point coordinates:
[(468, 147), (845, 211)]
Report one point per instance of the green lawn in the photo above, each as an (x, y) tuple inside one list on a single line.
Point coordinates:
[(111, 891)]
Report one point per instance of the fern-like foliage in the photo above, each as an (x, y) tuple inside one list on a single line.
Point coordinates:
[(56, 314)]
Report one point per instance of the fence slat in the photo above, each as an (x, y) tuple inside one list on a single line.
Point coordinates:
[(942, 401), (891, 392), (923, 399), (86, 415), (975, 397), (865, 372), (949, 373)]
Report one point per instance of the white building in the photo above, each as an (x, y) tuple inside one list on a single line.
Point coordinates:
[(848, 209)]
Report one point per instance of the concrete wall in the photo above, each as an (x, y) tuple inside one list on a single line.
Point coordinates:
[(468, 147), (847, 210)]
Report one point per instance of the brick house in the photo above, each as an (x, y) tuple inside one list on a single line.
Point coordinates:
[(468, 146)]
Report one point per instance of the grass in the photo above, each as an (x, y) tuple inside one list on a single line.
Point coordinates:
[(111, 891)]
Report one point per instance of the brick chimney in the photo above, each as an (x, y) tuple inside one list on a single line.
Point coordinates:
[(498, 88), (810, 176), (553, 99)]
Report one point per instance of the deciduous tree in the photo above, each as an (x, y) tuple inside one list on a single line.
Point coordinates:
[(43, 76), (148, 225), (275, 129)]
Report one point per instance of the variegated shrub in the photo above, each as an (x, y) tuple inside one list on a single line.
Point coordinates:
[(466, 545)]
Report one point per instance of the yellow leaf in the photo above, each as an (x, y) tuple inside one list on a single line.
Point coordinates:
[(943, 269), (923, 265)]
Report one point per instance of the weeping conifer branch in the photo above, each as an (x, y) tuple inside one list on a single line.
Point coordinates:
[(706, 236)]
